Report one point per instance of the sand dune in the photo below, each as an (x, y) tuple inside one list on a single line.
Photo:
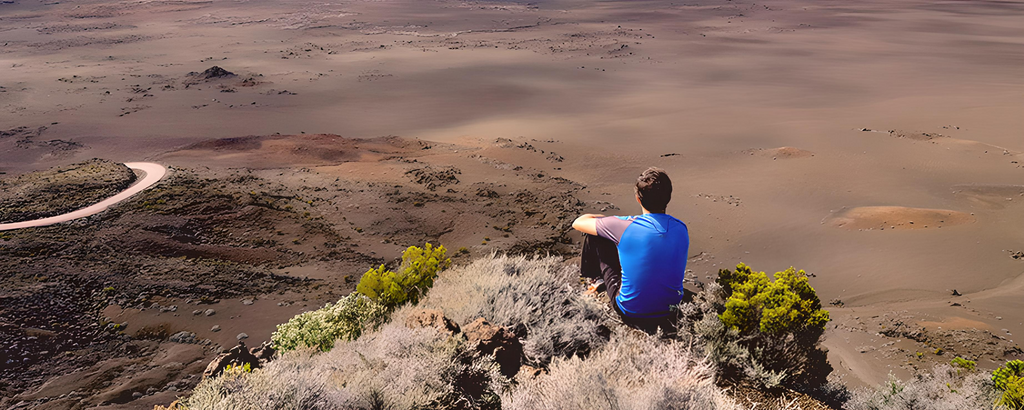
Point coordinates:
[(897, 218)]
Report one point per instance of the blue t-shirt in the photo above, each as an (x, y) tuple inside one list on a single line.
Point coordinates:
[(652, 252)]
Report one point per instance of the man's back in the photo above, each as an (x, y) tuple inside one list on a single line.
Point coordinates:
[(652, 251)]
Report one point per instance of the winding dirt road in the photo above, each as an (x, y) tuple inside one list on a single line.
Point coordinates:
[(152, 173)]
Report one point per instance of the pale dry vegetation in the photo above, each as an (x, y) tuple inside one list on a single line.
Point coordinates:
[(537, 297), (635, 371), (944, 388)]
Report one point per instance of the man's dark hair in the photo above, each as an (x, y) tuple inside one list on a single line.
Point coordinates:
[(654, 189)]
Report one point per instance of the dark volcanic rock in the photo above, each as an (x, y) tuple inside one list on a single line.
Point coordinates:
[(237, 356), (211, 73), (265, 352), (434, 177), (496, 340)]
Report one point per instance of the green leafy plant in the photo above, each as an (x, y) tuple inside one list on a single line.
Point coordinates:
[(762, 332), (756, 304), (1013, 395), (319, 329), (1009, 378), (243, 368), (963, 364), (414, 277), (1003, 375)]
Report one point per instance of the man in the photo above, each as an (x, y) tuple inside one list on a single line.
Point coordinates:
[(642, 259)]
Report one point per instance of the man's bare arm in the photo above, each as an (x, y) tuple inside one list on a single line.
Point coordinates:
[(587, 223)]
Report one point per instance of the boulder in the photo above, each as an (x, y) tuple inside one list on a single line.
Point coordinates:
[(265, 352), (498, 341), (237, 356), (432, 318)]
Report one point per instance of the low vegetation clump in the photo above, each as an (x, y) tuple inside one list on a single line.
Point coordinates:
[(393, 368), (319, 329), (761, 332), (962, 364), (378, 293), (633, 371), (414, 277), (1009, 379), (534, 297), (946, 387)]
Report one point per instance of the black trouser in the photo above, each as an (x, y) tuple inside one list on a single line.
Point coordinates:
[(601, 260)]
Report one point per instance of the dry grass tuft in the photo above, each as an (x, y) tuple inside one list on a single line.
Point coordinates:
[(634, 371), (538, 297)]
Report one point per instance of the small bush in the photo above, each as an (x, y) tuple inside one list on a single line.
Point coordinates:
[(761, 332), (415, 276), (319, 329), (963, 364), (756, 304), (1007, 372), (1013, 395), (1009, 379)]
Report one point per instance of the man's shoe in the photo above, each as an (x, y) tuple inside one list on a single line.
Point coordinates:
[(595, 288)]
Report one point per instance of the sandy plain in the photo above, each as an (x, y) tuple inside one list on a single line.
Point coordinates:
[(811, 134)]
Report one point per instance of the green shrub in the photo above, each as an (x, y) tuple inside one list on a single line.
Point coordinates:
[(761, 332), (1010, 380), (319, 329), (415, 276), (963, 364), (757, 304), (1013, 395), (1003, 375)]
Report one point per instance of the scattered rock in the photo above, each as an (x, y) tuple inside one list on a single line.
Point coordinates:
[(955, 293), (183, 337), (432, 318), (210, 312), (265, 352), (242, 336), (498, 341), (434, 177), (237, 356), (247, 302), (211, 73), (215, 328), (487, 193)]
